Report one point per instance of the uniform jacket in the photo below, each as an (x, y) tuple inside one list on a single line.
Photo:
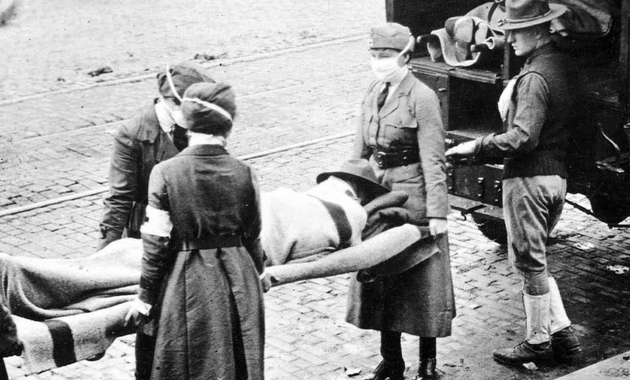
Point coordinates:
[(138, 146), (409, 119), (209, 304), (419, 301)]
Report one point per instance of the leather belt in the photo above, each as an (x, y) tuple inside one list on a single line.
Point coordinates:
[(392, 159), (210, 243)]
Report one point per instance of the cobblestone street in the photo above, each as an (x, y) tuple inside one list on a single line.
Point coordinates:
[(299, 70)]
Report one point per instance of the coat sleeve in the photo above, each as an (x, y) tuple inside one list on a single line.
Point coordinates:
[(157, 258), (10, 344), (252, 231), (431, 137), (123, 178), (523, 133)]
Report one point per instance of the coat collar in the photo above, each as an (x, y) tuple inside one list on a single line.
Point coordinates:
[(391, 104), (149, 130), (204, 150), (149, 125), (545, 49)]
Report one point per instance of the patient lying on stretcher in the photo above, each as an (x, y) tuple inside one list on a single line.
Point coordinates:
[(88, 297), (304, 226)]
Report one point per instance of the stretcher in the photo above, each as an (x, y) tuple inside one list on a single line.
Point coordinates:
[(68, 310)]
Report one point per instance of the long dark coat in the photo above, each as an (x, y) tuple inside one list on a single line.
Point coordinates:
[(419, 301), (211, 315), (139, 145)]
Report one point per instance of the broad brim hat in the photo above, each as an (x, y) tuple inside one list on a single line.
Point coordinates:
[(525, 13), (360, 170)]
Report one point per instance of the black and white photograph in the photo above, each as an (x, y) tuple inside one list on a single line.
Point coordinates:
[(322, 190)]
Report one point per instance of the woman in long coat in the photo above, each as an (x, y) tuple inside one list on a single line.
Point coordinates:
[(202, 254), (401, 134)]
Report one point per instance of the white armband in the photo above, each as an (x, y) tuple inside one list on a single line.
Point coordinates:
[(158, 223)]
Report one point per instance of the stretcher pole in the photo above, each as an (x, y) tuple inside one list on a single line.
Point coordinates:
[(365, 255)]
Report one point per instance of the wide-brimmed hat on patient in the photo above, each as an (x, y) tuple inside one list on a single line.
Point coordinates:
[(525, 13), (360, 170)]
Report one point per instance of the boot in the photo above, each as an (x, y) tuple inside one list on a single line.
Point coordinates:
[(565, 345), (426, 369), (536, 346), (387, 371), (393, 366), (524, 352)]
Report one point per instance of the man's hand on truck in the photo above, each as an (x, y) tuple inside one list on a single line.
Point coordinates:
[(467, 148)]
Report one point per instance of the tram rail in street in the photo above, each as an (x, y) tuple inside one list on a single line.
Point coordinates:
[(130, 78), (239, 98), (246, 157)]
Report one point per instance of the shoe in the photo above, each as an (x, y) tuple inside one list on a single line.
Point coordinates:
[(387, 371), (523, 353), (566, 345), (427, 371)]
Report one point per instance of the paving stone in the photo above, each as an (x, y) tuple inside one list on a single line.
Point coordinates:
[(283, 99)]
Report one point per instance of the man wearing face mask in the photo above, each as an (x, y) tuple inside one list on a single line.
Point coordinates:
[(402, 136), (153, 136)]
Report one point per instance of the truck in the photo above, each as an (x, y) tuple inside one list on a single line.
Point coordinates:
[(599, 151)]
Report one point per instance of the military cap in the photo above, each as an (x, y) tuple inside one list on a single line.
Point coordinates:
[(183, 75), (209, 108), (390, 36)]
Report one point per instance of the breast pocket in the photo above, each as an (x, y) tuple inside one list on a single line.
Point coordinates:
[(401, 126)]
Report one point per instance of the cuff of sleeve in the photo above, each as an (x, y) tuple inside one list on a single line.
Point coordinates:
[(144, 296), (479, 144), (142, 307)]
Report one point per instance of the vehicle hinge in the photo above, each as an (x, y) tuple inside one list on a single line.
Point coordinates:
[(497, 190), (480, 187)]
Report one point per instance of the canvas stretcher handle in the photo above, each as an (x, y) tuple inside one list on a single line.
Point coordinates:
[(365, 255)]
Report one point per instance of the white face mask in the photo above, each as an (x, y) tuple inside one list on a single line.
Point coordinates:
[(176, 114), (385, 68), (178, 117)]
